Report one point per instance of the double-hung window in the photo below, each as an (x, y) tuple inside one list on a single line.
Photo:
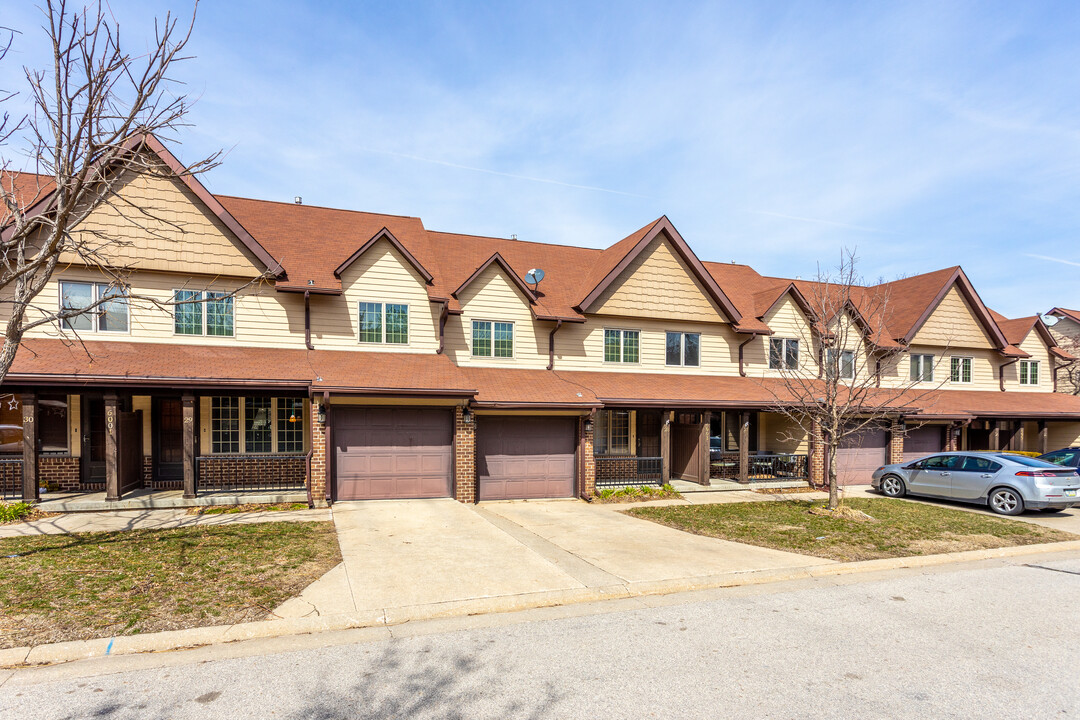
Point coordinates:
[(621, 346), (110, 314), (840, 362), (684, 349), (960, 370), (922, 368), (783, 353), (1029, 372), (492, 339), (384, 323), (203, 312), (256, 425)]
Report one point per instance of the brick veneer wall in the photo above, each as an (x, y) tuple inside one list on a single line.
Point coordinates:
[(817, 460), (588, 459), (239, 471), (59, 472), (896, 444), (464, 458), (148, 470), (11, 478), (613, 468), (317, 481)]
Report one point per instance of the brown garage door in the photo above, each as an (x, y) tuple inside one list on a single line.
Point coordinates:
[(859, 456), (525, 457), (383, 453), (925, 440)]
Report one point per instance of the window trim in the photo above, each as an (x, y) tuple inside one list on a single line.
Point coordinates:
[(605, 425), (922, 367), (682, 348), (622, 345), (840, 363), (95, 316), (493, 356), (970, 369), (382, 324), (1024, 370), (203, 303), (784, 344), (275, 404)]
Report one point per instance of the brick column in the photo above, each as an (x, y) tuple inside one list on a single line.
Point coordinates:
[(588, 460), (30, 485), (817, 457), (464, 457), (896, 444), (317, 477)]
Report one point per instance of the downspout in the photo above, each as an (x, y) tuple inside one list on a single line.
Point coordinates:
[(442, 324), (1001, 372), (307, 320), (877, 372), (551, 344), (742, 370)]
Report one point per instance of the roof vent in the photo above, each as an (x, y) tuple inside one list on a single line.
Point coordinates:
[(298, 200), (533, 277), (513, 237)]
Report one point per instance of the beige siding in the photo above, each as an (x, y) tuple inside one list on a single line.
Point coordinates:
[(952, 324), (1036, 347), (380, 275), (493, 296), (580, 346), (143, 403), (780, 434), (1062, 435), (658, 284), (154, 222)]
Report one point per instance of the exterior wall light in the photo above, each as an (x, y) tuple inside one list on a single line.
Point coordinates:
[(466, 416), (588, 425), (322, 414)]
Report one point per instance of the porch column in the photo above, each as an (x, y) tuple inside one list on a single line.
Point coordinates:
[(1043, 445), (704, 450), (744, 446), (995, 436), (189, 446), (1017, 441), (29, 448), (665, 446), (112, 447)]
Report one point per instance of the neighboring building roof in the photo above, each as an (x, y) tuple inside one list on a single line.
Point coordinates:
[(967, 404), (1073, 315)]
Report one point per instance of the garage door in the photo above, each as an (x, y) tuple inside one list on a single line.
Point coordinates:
[(921, 441), (859, 456), (383, 453), (525, 457)]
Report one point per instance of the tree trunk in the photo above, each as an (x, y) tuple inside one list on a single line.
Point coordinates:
[(834, 494)]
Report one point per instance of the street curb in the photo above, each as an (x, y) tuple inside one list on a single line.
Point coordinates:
[(55, 653)]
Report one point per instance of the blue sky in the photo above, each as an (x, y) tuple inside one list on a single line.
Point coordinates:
[(771, 133)]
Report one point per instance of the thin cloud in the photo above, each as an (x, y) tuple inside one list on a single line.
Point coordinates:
[(1053, 259), (830, 223), (528, 178)]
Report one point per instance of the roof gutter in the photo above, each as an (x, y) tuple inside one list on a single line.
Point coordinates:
[(742, 369), (551, 344), (1001, 372)]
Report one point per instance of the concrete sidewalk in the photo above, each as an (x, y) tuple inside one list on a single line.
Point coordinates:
[(150, 520)]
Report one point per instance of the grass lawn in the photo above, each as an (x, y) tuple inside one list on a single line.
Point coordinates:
[(87, 585), (899, 529)]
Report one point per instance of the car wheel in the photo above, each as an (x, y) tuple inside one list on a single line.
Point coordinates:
[(892, 486), (1006, 501)]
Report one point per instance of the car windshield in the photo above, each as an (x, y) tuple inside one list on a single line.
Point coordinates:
[(1024, 460), (1061, 457)]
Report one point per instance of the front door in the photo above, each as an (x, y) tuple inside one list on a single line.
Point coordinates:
[(93, 439), (169, 439)]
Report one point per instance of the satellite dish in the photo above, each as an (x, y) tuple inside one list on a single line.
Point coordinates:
[(534, 276)]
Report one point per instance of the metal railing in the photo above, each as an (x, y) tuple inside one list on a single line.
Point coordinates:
[(11, 478), (618, 470), (761, 468), (232, 473)]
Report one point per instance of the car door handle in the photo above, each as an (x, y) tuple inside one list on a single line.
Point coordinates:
[(945, 474), (986, 475)]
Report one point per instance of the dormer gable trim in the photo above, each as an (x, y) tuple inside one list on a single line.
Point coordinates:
[(385, 234), (664, 225), (498, 260)]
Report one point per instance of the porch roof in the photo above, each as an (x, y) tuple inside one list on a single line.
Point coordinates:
[(968, 404), (673, 390)]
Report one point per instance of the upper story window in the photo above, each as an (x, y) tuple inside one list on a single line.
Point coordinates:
[(621, 345), (960, 370), (783, 353), (684, 349), (1029, 372), (384, 323), (201, 312), (269, 425), (111, 315), (922, 368), (492, 339), (842, 361)]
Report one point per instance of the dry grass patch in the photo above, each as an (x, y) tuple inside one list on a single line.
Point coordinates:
[(88, 585), (245, 508), (897, 528)]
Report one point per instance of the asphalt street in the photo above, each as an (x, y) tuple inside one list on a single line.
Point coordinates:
[(992, 640)]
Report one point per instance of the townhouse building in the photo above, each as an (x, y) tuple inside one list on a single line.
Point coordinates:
[(364, 356), (1066, 333)]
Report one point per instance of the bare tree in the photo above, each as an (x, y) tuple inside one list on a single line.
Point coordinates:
[(859, 385), (92, 115)]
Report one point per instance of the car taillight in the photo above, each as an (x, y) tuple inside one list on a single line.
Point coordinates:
[(1035, 473)]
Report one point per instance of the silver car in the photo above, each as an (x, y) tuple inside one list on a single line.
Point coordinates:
[(1006, 483)]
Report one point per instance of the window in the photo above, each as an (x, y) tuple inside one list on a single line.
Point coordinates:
[(783, 353), (225, 424), (842, 361), (684, 349), (203, 313), (960, 371), (1065, 458), (290, 425), (940, 462), (973, 463), (393, 328), (53, 423), (612, 433), (621, 345), (492, 339), (1029, 372), (258, 434), (111, 315), (922, 368)]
